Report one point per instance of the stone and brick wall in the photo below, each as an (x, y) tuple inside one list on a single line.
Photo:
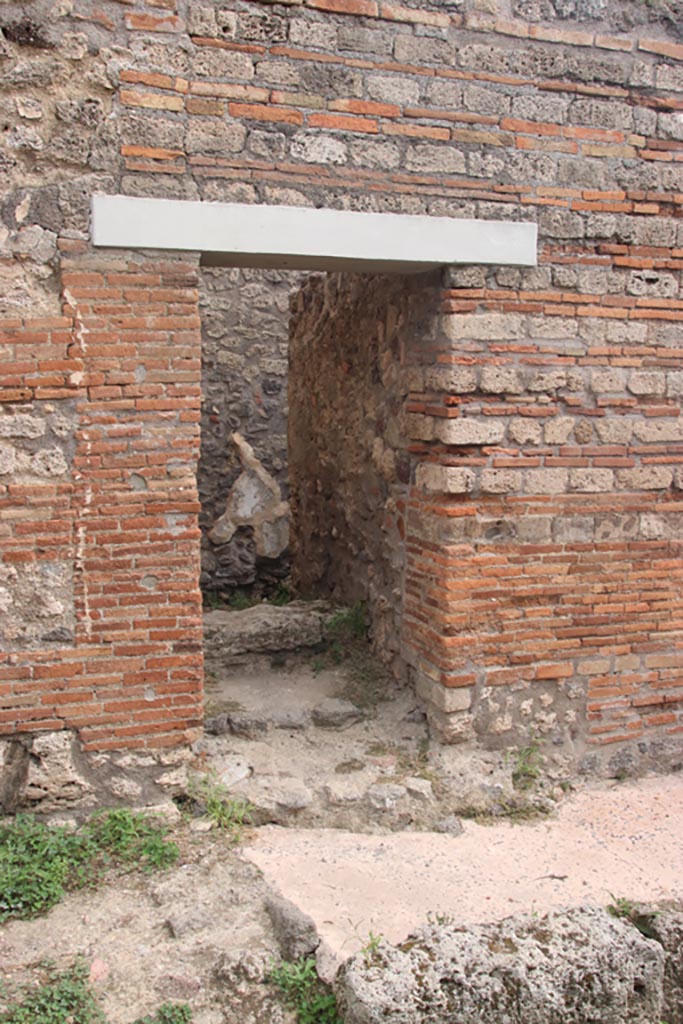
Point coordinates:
[(546, 440), (543, 593), (101, 610)]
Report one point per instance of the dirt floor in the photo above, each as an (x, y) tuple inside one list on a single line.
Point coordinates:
[(358, 821), (197, 933)]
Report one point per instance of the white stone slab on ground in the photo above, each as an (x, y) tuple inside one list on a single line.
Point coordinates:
[(624, 840)]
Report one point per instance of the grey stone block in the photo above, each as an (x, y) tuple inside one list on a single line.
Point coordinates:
[(577, 966), (295, 931)]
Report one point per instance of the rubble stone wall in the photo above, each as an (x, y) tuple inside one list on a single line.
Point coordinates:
[(245, 321), (36, 455), (547, 421)]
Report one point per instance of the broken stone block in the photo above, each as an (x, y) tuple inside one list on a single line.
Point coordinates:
[(385, 796), (576, 966), (419, 789), (666, 927), (295, 931), (347, 789), (14, 768), (54, 778), (249, 725), (275, 797), (255, 501)]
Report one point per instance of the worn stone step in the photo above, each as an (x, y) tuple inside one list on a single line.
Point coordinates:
[(263, 629)]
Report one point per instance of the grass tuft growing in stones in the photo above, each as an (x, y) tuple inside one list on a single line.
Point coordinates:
[(526, 770), (39, 863), (303, 992), (231, 814)]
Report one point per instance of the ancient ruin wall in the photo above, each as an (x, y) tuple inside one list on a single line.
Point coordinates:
[(567, 114), (245, 321), (351, 339)]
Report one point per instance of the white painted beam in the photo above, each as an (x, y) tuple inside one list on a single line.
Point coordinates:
[(232, 234)]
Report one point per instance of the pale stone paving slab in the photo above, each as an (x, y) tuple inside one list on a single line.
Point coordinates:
[(616, 841)]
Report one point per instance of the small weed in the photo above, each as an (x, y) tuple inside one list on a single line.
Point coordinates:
[(351, 622), (442, 920), (169, 1013), (336, 652), (345, 645), (526, 770), (281, 596), (304, 992), (230, 813), (511, 810), (371, 948), (128, 838), (66, 997), (620, 906), (38, 864), (627, 909), (239, 601)]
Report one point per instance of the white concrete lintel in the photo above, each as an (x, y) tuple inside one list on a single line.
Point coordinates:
[(233, 234)]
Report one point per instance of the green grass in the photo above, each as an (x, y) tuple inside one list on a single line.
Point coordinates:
[(169, 1013), (39, 863), (281, 596), (66, 997), (346, 645), (370, 950), (304, 992), (214, 600), (526, 770), (131, 838), (350, 623), (231, 814), (621, 906)]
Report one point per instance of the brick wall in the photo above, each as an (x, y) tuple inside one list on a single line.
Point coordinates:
[(122, 516), (566, 114)]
